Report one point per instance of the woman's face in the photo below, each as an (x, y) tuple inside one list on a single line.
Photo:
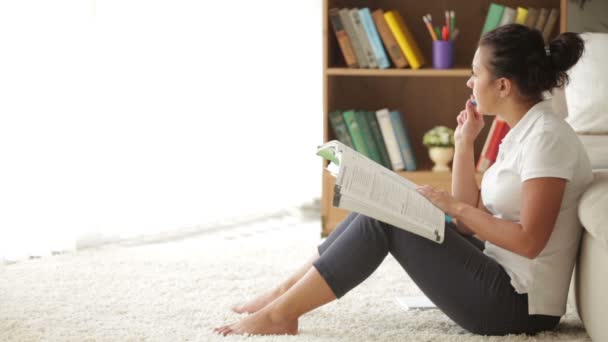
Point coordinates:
[(483, 82)]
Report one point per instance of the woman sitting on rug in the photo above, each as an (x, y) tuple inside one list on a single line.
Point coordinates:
[(526, 210)]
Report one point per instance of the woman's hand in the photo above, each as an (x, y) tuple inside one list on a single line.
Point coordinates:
[(470, 123), (440, 198)]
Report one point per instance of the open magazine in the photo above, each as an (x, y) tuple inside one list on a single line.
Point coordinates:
[(368, 188)]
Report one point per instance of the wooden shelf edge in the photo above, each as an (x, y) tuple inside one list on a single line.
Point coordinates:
[(423, 72)]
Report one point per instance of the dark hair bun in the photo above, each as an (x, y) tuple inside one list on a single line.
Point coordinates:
[(519, 53), (565, 50)]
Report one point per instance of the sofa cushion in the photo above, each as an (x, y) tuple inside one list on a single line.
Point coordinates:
[(592, 208), (587, 91), (595, 145)]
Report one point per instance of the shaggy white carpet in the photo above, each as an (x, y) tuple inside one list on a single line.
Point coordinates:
[(180, 290)]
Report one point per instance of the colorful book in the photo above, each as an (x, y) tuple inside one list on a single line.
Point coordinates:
[(403, 139), (354, 130), (531, 18), (388, 39), (366, 132), (336, 120), (342, 37), (493, 17), (508, 16), (362, 36), (543, 14), (378, 139), (498, 131), (550, 24), (347, 22), (522, 13), (390, 140), (482, 164), (374, 38), (501, 130), (405, 39)]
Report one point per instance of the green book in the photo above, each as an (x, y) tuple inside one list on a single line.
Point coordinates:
[(340, 130), (377, 135), (366, 132), (350, 118), (493, 17)]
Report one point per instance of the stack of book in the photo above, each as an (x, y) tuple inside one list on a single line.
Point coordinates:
[(375, 39), (498, 130), (379, 135), (542, 19)]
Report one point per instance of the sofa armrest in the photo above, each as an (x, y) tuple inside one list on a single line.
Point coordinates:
[(592, 208)]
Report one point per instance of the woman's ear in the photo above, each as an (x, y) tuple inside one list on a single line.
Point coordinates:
[(504, 86)]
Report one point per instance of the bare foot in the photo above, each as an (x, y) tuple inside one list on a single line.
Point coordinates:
[(258, 303), (260, 323)]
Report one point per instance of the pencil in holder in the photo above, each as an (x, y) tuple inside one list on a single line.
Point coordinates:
[(443, 54)]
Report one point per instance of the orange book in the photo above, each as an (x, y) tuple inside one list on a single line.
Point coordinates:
[(389, 40), (343, 40)]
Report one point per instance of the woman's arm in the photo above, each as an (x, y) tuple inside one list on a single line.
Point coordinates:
[(464, 185), (541, 201)]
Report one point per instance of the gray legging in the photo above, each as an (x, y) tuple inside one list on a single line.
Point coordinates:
[(467, 285)]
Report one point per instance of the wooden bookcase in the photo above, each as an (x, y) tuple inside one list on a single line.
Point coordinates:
[(426, 97)]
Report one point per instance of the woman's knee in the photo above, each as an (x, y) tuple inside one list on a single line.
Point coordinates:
[(372, 228)]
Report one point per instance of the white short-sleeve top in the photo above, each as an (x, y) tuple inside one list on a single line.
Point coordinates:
[(540, 145)]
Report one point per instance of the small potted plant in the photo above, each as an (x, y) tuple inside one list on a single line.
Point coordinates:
[(440, 142)]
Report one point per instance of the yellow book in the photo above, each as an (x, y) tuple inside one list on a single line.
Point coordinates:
[(522, 13), (404, 39)]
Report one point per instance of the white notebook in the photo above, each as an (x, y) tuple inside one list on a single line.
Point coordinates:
[(421, 302)]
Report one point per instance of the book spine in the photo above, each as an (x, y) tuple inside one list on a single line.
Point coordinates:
[(365, 43), (501, 130), (508, 16), (404, 39), (355, 131), (390, 141), (340, 130), (493, 17), (374, 38), (366, 132), (522, 13), (550, 25), (531, 18), (375, 129), (403, 139), (342, 37), (489, 156), (482, 163), (347, 22), (542, 19), (389, 40)]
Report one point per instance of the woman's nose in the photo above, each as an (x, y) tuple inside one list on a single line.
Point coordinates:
[(470, 83)]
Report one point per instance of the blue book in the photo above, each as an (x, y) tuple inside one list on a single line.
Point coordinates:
[(374, 38), (403, 140)]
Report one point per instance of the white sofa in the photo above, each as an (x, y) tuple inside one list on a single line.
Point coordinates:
[(584, 104)]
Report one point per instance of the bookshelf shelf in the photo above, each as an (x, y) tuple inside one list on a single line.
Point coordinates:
[(422, 72), (425, 97)]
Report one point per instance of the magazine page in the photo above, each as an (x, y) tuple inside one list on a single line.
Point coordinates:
[(375, 191)]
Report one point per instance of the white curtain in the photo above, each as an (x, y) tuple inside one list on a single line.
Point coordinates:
[(128, 117)]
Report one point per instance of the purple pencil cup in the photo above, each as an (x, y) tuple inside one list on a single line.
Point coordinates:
[(443, 54)]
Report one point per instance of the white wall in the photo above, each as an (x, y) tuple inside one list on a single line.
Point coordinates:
[(591, 17), (128, 117)]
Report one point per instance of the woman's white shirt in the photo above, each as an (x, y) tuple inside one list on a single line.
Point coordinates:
[(540, 145)]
